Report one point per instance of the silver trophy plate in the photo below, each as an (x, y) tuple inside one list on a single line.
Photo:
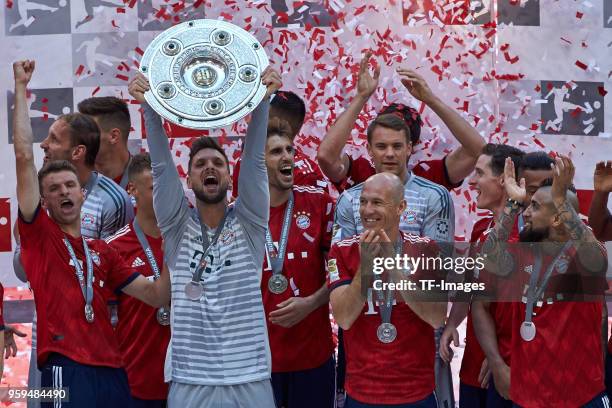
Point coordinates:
[(204, 73)]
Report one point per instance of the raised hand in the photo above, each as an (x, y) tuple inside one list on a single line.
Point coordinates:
[(138, 86), (416, 85), (514, 191), (271, 79), (602, 178), (367, 83), (23, 71), (563, 176)]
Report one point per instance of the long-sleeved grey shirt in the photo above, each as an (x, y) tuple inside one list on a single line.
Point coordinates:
[(220, 339)]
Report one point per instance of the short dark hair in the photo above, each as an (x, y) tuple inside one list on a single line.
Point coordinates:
[(290, 107), (409, 115), (111, 112), (538, 160), (499, 153), (138, 164), (83, 131), (52, 167), (279, 127), (205, 142), (549, 182), (389, 121)]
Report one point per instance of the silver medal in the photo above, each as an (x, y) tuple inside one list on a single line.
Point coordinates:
[(163, 316), (386, 333), (89, 313), (528, 331), (277, 284), (194, 290)]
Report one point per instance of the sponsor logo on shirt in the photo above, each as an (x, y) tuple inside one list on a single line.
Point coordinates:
[(332, 268), (302, 221), (137, 262)]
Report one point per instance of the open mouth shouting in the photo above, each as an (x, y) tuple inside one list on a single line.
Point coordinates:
[(211, 183), (286, 171)]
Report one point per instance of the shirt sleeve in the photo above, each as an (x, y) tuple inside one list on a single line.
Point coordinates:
[(436, 171), (327, 221), (116, 212), (169, 201), (344, 219), (338, 273), (120, 274), (253, 203), (439, 222)]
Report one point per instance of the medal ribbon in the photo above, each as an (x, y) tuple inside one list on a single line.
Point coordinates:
[(207, 244), (86, 287), (534, 292), (144, 243), (278, 258), (386, 300)]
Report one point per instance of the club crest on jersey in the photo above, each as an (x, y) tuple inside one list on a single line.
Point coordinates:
[(409, 217), (88, 219), (226, 237), (302, 220), (332, 268)]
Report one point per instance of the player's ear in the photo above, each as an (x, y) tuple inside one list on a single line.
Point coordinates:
[(402, 207)]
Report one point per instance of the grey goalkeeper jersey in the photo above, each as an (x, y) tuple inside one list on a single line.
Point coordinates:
[(429, 211), (222, 338)]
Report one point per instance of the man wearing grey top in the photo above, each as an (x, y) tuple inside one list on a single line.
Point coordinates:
[(219, 354)]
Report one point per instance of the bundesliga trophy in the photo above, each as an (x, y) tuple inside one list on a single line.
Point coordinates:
[(204, 74)]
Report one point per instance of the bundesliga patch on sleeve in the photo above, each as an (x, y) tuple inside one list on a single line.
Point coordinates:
[(332, 269), (442, 227)]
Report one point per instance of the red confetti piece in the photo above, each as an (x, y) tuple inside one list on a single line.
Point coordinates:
[(139, 51), (579, 15), (581, 65), (122, 77), (79, 70), (95, 91), (114, 24), (120, 10), (9, 4), (567, 41), (538, 142), (44, 100), (602, 90)]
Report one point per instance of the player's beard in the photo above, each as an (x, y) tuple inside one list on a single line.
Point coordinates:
[(534, 235), (211, 199)]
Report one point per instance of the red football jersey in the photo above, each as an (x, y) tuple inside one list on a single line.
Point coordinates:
[(473, 355), (501, 312), (305, 173), (62, 327), (563, 365), (361, 169), (142, 340), (399, 372), (309, 343)]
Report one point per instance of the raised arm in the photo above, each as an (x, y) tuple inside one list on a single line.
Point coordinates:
[(254, 199), (600, 218), (169, 200), (496, 245), (460, 163), (28, 195), (333, 162)]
